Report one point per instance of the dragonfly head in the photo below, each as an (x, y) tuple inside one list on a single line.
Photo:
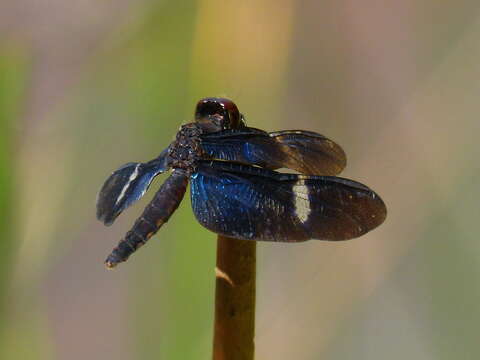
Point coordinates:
[(217, 114)]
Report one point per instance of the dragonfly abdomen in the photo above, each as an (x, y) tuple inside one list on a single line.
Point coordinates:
[(157, 212)]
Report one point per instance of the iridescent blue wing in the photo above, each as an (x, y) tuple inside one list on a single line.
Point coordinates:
[(246, 145), (125, 186), (304, 151), (252, 203)]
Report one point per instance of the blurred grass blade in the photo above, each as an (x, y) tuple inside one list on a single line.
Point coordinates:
[(12, 76)]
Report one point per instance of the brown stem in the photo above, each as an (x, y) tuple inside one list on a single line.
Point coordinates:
[(234, 299)]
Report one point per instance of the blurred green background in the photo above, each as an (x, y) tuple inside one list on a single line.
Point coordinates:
[(86, 86)]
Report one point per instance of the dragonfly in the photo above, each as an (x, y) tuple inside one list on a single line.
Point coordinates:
[(235, 188)]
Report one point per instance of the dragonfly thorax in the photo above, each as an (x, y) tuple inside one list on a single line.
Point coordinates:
[(185, 149)]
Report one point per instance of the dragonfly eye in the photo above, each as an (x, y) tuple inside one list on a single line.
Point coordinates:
[(217, 114)]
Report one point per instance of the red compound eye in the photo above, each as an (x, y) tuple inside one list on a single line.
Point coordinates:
[(222, 111)]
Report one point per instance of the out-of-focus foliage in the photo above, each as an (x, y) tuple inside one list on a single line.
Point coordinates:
[(12, 77), (99, 84)]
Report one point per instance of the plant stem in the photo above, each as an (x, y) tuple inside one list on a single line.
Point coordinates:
[(234, 299)]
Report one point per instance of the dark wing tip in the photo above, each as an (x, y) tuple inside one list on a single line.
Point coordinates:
[(369, 213), (379, 214), (126, 185), (114, 195), (104, 217), (105, 210), (311, 153), (350, 209)]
